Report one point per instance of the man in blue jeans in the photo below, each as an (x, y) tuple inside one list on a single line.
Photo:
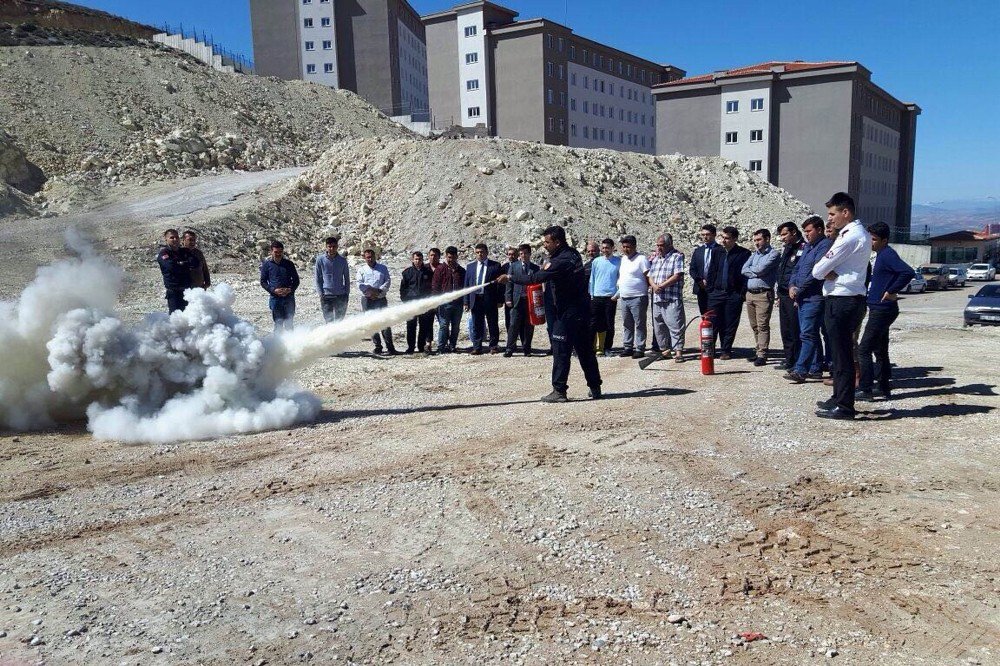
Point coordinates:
[(449, 276), (279, 278), (807, 292)]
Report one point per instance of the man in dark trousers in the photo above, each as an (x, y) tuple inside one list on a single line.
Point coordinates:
[(727, 288), (516, 298), (416, 284), (511, 253), (571, 329), (889, 275), (788, 317), (280, 279), (177, 264), (701, 261), (483, 303), (844, 269)]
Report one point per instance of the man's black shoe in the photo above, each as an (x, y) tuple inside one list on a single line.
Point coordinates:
[(555, 396), (836, 413), (378, 351), (626, 353), (508, 354), (527, 352), (794, 377), (409, 350), (392, 351), (595, 393), (864, 396), (814, 375), (826, 404), (781, 366), (760, 361), (638, 354), (885, 394)]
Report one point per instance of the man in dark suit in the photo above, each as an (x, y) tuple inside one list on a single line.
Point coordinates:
[(727, 288), (483, 303), (700, 264), (511, 253), (516, 297)]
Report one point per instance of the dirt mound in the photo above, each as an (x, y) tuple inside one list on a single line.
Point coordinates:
[(15, 169), (402, 194), (108, 115)]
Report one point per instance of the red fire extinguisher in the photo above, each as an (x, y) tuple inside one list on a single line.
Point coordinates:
[(536, 305), (707, 331)]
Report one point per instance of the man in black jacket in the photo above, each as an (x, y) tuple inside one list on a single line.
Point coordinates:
[(727, 288), (701, 262), (176, 263), (571, 305), (483, 303), (788, 314), (516, 299), (416, 284)]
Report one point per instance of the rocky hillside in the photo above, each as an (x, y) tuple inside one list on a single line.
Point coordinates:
[(400, 194), (106, 115)]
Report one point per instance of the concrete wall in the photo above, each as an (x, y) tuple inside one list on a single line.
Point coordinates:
[(814, 137), (519, 73), (744, 121), (475, 44), (688, 123), (914, 255), (363, 50), (412, 70), (323, 54), (442, 73), (275, 29), (629, 118)]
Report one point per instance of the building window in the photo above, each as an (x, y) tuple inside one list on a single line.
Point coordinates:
[(572, 78), (310, 69), (756, 165), (549, 69), (643, 142), (551, 42), (550, 96), (562, 99), (621, 138), (572, 104), (562, 44), (602, 86), (327, 44), (473, 111), (472, 84), (470, 31), (307, 23), (310, 46), (586, 132), (562, 126), (328, 68), (572, 128), (757, 104), (562, 73), (325, 22), (733, 106), (307, 2), (552, 123), (586, 82), (732, 137), (572, 56), (471, 58), (586, 106), (756, 136), (585, 62)]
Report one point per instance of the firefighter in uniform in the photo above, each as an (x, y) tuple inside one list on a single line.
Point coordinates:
[(176, 264), (571, 306)]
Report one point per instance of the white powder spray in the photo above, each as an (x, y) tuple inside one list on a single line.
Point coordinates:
[(195, 374)]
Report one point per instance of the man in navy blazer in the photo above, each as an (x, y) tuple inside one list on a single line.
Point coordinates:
[(516, 298), (701, 264), (482, 304)]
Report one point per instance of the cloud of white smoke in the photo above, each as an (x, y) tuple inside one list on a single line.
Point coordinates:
[(194, 374)]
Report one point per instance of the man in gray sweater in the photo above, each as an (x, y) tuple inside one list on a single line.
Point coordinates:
[(333, 281)]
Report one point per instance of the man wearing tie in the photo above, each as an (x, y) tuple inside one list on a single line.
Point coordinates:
[(701, 262), (727, 288), (483, 303), (516, 298)]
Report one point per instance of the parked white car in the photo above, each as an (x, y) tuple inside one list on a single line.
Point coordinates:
[(957, 275), (918, 285), (982, 272)]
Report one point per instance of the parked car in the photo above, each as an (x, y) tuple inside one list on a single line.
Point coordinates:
[(984, 306), (918, 285), (982, 272), (936, 275), (957, 276)]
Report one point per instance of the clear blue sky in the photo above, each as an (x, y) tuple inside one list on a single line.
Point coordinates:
[(942, 55)]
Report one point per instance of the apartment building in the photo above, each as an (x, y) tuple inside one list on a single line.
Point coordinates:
[(375, 48), (812, 128), (536, 80)]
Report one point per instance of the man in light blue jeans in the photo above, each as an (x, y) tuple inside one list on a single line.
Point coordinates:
[(808, 295), (633, 292)]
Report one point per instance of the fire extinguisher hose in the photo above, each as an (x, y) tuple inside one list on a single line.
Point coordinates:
[(650, 360)]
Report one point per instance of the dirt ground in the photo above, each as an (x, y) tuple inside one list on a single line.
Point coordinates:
[(436, 512)]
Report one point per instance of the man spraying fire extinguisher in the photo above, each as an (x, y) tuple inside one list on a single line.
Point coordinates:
[(563, 275)]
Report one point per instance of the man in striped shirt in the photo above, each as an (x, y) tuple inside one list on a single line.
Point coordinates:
[(666, 278)]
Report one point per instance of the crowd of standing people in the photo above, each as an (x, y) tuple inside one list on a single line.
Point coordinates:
[(822, 279)]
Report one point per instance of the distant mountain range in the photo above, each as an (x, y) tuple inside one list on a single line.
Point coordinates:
[(942, 217)]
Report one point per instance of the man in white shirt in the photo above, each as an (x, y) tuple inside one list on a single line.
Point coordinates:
[(374, 283), (844, 269), (633, 291)]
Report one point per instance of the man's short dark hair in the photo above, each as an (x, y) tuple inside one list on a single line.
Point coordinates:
[(710, 228), (433, 250), (481, 246), (791, 226), (367, 250), (814, 221), (608, 241), (630, 239), (277, 244), (417, 253), (880, 229), (332, 240), (731, 231), (842, 201), (192, 234), (168, 232), (556, 233), (451, 249), (524, 247), (763, 232)]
